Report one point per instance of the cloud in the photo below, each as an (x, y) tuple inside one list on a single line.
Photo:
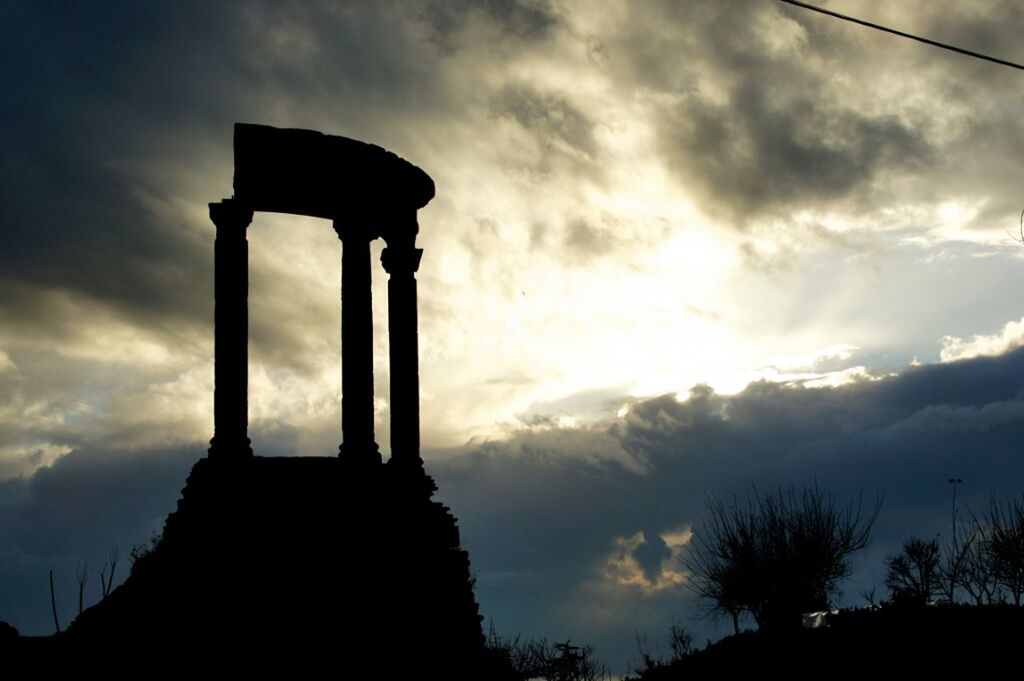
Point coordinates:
[(754, 156), (123, 136), (75, 510), (980, 345), (558, 125), (650, 564), (576, 155), (725, 88), (119, 135), (520, 19), (578, 530), (566, 533), (738, 125)]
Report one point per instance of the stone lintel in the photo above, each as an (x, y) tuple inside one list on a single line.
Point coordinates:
[(305, 172)]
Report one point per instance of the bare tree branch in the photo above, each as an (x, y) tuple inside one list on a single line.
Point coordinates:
[(107, 583), (83, 576), (53, 604)]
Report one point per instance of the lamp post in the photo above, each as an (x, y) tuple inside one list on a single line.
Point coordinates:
[(954, 482)]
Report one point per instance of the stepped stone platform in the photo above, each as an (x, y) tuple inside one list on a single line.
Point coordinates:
[(278, 562)]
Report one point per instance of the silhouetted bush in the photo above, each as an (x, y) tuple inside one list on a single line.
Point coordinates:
[(527, 658), (145, 549), (889, 641), (777, 556), (680, 643)]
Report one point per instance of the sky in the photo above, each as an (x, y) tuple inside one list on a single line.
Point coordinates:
[(677, 248)]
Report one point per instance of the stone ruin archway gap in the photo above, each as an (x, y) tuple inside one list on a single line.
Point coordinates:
[(293, 339)]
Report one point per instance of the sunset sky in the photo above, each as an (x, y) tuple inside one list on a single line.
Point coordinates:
[(677, 248)]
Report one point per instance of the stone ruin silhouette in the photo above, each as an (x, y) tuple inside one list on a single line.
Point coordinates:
[(296, 563), (368, 193)]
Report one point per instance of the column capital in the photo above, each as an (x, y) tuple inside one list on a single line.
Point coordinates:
[(354, 228), (399, 228), (398, 261), (229, 213)]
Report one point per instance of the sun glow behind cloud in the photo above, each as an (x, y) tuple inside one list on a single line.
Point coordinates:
[(620, 208), (623, 569)]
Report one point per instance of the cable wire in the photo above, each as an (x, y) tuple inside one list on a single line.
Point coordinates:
[(926, 41)]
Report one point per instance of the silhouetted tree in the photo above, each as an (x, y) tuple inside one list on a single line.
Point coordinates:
[(777, 556), (955, 561), (978, 577), (913, 573), (1004, 545), (53, 604), (83, 577), (107, 581)]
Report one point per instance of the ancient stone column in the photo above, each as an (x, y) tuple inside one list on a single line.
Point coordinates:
[(358, 445), (401, 259), (231, 332)]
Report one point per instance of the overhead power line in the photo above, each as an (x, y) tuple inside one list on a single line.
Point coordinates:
[(926, 41)]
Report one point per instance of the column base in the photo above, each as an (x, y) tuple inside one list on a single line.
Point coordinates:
[(412, 476), (360, 455), (222, 449)]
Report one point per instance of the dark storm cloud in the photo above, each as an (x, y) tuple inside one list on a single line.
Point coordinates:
[(969, 111), (752, 156), (556, 150), (523, 19), (763, 110), (541, 511), (88, 89), (116, 133), (117, 114), (90, 499), (75, 511), (114, 109), (550, 116), (974, 29), (760, 130), (540, 523), (585, 239)]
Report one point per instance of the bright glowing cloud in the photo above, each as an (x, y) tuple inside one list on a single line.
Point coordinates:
[(981, 345), (624, 569)]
